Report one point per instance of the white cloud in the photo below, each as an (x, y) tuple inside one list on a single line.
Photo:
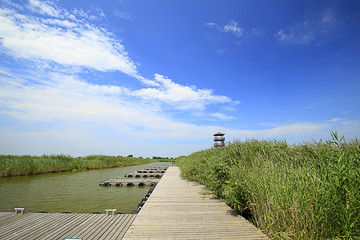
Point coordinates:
[(179, 96), (59, 40), (11, 4), (233, 27), (210, 24), (308, 30), (59, 23), (69, 42), (296, 36), (221, 116), (44, 7), (328, 18), (96, 16), (301, 131), (69, 99), (68, 111)]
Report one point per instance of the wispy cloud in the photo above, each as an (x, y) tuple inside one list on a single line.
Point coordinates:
[(308, 30), (45, 7), (220, 51), (306, 131), (234, 28), (123, 15), (211, 24), (221, 116)]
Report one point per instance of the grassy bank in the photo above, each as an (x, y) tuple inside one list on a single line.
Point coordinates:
[(306, 191), (11, 165)]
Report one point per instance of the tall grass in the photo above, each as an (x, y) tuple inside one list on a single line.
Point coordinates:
[(305, 191), (11, 165)]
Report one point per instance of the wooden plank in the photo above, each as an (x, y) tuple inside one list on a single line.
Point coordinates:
[(91, 225), (105, 228), (74, 232), (176, 210), (101, 227), (33, 228), (67, 227), (61, 226), (43, 224), (122, 231), (23, 223), (110, 229), (49, 227)]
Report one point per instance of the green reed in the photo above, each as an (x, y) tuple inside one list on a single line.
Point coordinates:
[(11, 165), (305, 191)]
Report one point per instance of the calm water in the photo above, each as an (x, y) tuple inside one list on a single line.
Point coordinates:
[(75, 192)]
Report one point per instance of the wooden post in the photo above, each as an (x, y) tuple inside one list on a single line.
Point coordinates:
[(21, 210), (112, 210)]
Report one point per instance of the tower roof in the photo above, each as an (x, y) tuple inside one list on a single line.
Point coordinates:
[(219, 134)]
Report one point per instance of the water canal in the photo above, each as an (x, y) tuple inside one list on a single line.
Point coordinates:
[(75, 192)]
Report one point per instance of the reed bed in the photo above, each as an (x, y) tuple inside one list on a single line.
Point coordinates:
[(11, 165), (304, 191)]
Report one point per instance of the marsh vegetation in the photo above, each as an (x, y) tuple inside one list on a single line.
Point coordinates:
[(12, 165), (304, 191)]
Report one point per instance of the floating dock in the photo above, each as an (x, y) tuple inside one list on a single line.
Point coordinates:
[(129, 182), (152, 175), (151, 171), (156, 168), (144, 175)]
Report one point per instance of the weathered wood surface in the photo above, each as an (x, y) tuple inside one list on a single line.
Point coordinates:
[(129, 182), (61, 226), (177, 209)]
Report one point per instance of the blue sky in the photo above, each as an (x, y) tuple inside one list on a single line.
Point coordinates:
[(159, 78)]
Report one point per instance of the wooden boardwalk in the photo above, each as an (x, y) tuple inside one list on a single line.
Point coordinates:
[(177, 210), (64, 225)]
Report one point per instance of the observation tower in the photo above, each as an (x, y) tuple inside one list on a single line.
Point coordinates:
[(219, 139)]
